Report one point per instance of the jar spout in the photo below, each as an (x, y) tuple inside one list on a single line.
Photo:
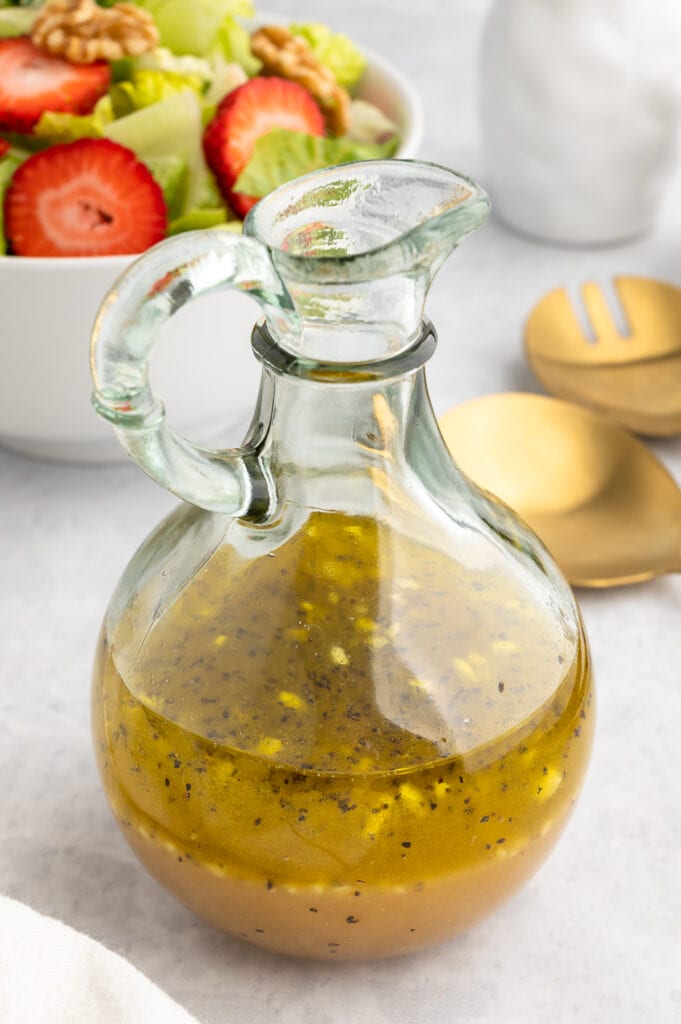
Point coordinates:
[(357, 247)]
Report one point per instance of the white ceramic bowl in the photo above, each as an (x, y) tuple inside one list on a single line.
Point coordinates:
[(203, 369)]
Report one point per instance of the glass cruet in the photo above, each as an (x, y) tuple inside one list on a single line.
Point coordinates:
[(342, 698)]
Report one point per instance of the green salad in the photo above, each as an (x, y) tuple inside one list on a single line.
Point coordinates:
[(102, 155)]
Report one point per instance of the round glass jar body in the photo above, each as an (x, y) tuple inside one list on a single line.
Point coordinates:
[(342, 701)]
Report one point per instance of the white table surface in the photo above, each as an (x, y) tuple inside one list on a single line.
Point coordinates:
[(595, 937)]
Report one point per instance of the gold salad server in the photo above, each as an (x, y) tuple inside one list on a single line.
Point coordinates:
[(603, 504)]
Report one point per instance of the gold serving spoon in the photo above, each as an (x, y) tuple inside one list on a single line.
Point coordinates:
[(618, 351), (606, 509)]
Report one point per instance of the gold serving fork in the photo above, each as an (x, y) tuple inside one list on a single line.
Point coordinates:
[(615, 349)]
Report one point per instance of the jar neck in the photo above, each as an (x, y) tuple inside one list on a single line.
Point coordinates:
[(278, 359), (355, 322), (343, 437)]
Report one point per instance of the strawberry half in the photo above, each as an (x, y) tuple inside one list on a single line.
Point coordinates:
[(4, 147), (33, 81), (86, 198), (246, 113)]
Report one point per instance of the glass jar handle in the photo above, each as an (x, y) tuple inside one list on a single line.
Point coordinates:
[(151, 290)]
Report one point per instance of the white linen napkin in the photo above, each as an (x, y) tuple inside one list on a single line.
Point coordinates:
[(51, 974)]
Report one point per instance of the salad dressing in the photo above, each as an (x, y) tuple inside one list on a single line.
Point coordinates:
[(352, 747)]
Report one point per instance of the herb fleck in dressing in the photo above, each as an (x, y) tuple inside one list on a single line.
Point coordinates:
[(355, 747)]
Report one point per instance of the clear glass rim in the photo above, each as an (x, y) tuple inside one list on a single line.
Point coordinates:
[(448, 225)]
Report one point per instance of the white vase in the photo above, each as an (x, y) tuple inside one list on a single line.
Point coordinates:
[(580, 105)]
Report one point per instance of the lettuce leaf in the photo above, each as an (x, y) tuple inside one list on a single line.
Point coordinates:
[(226, 77), (334, 51), (281, 155), (171, 127), (53, 127), (369, 124), (8, 165), (163, 59), (233, 44), (148, 86), (16, 21), (199, 218), (191, 26), (122, 68), (203, 190), (172, 174)]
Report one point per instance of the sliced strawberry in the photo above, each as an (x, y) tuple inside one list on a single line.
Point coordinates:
[(86, 198), (33, 81), (4, 147), (246, 113)]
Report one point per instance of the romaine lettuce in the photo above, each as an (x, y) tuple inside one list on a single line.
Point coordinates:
[(8, 165), (199, 218), (191, 26), (16, 21), (147, 87), (172, 174), (281, 155), (226, 77), (171, 127), (369, 124), (163, 59), (233, 43), (334, 51), (54, 127)]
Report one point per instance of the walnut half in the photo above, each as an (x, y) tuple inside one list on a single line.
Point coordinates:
[(82, 32), (291, 57)]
